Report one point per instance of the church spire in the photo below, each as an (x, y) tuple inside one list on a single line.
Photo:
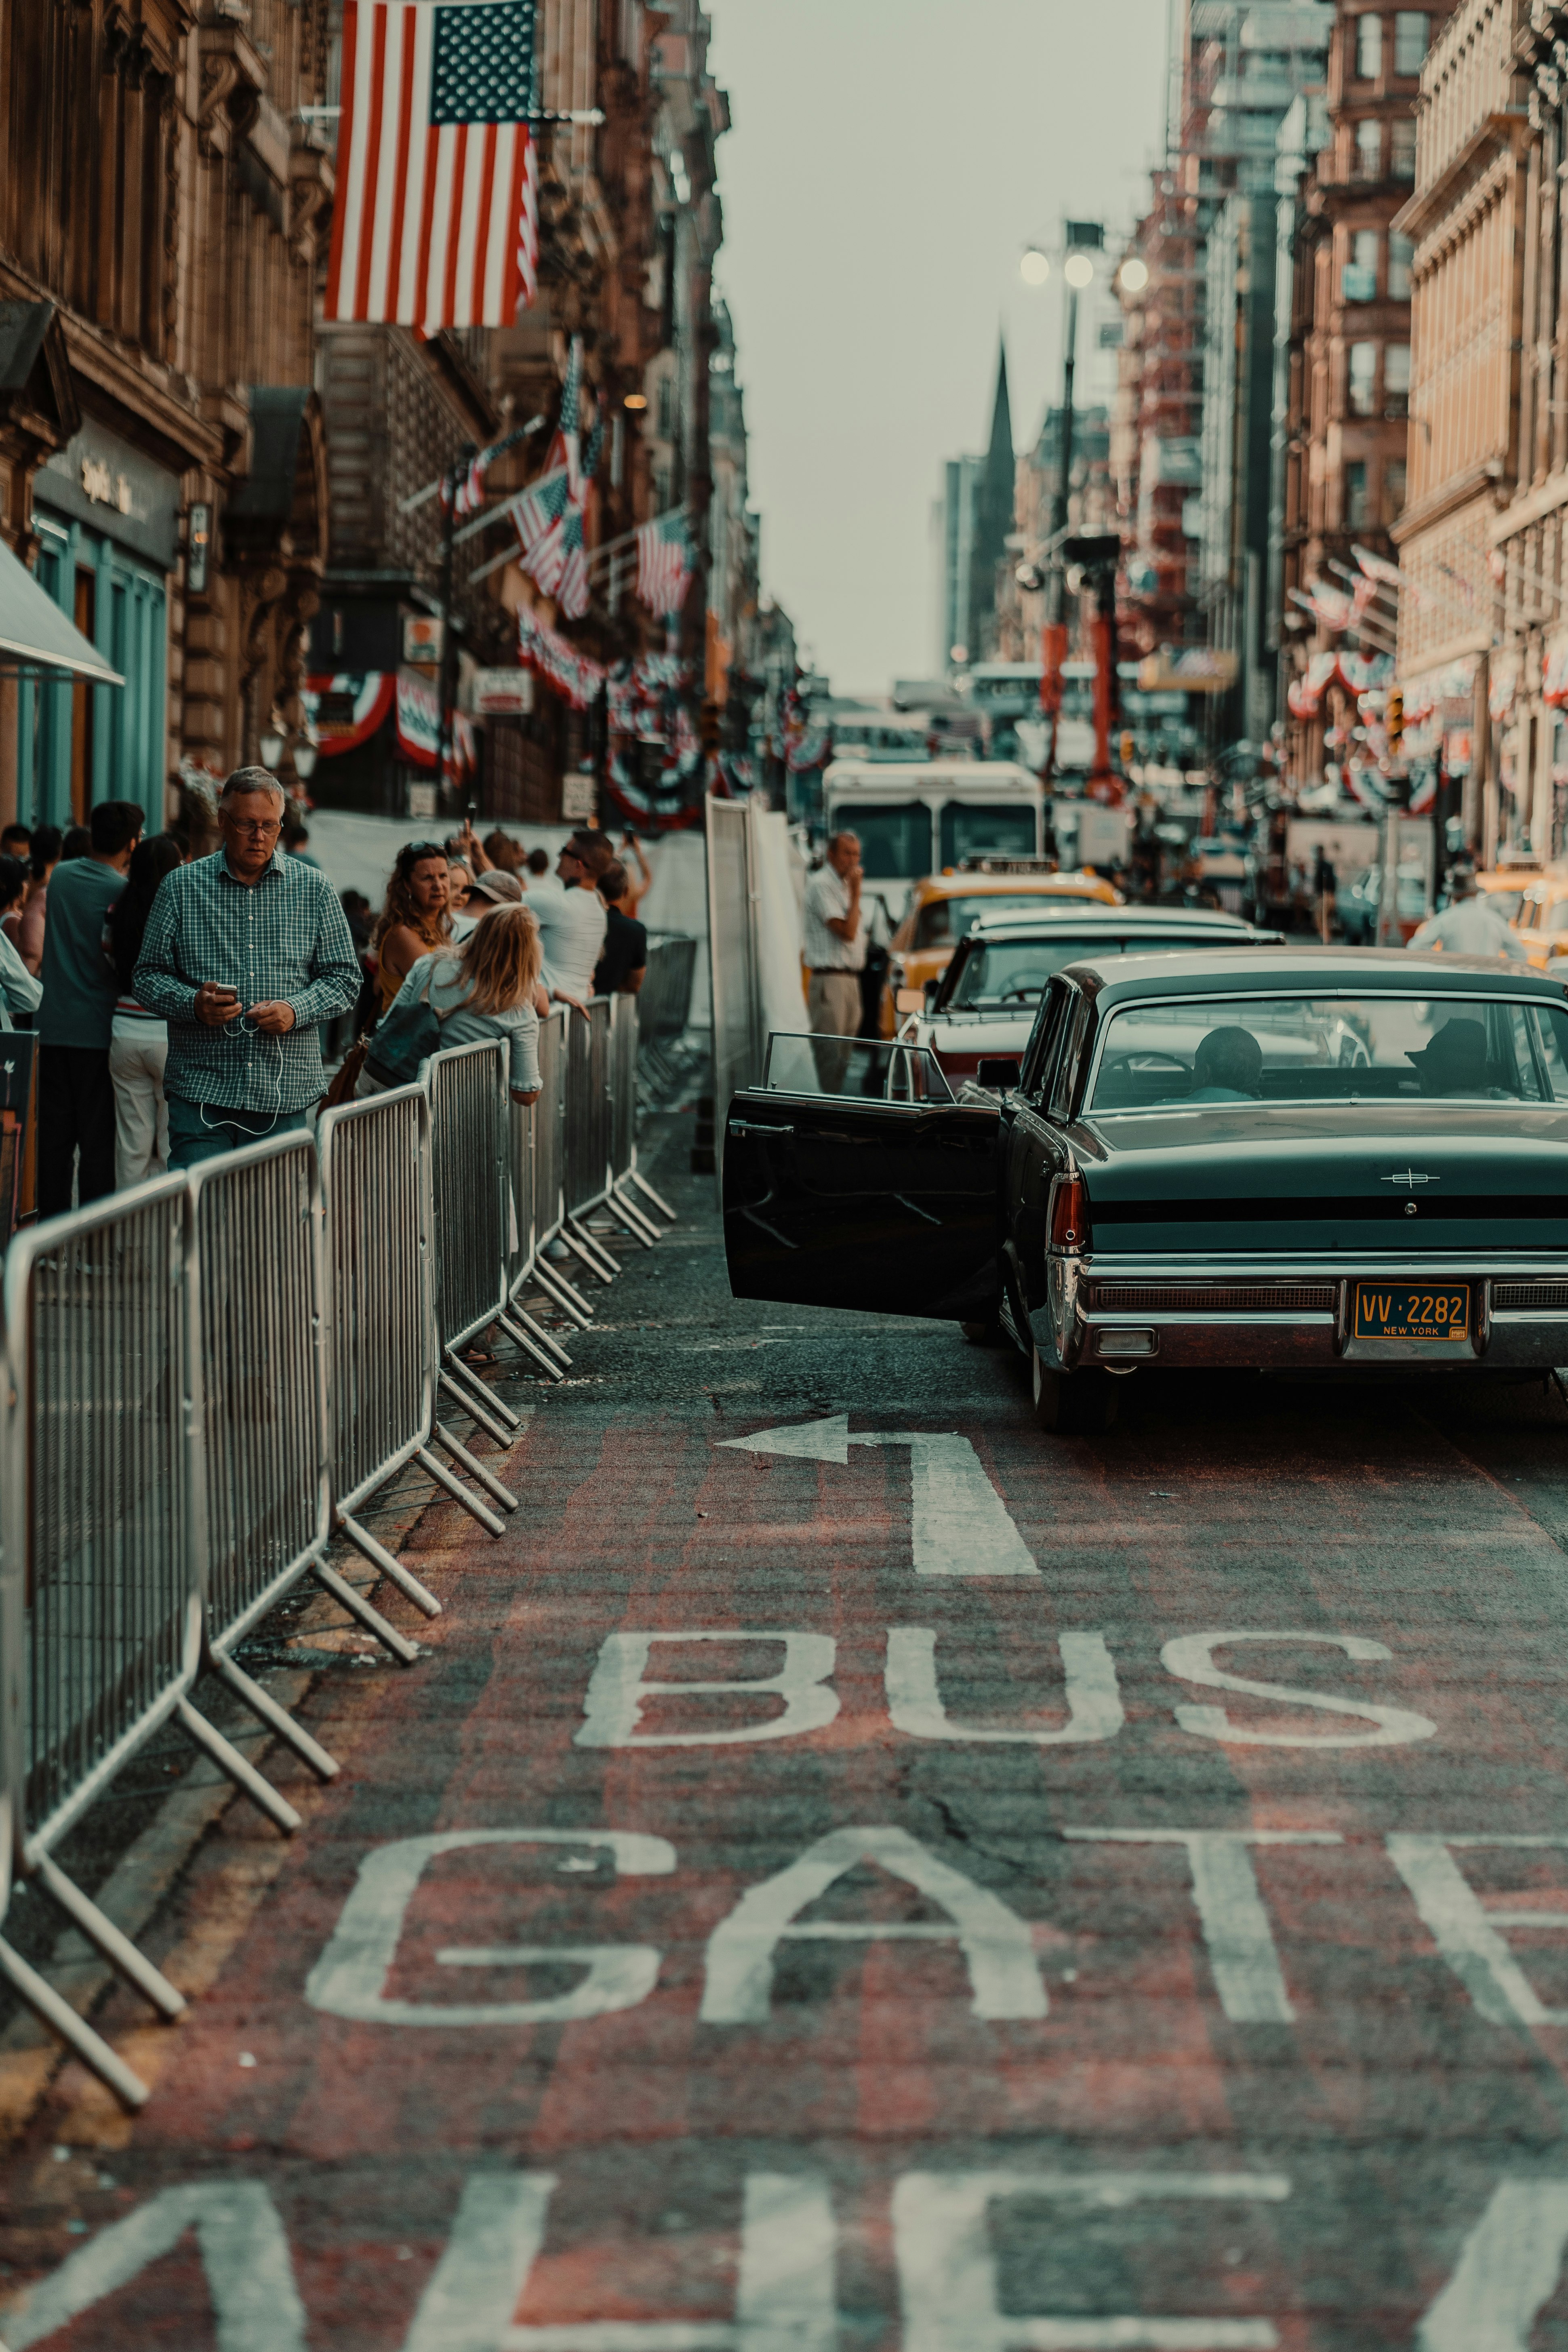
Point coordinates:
[(1000, 449)]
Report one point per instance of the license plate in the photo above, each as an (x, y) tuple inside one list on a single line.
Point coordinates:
[(1405, 1310)]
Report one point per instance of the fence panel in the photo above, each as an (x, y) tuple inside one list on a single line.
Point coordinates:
[(101, 1617), (258, 1340), (739, 1037), (664, 1007), (467, 1090), (601, 1073), (580, 1122), (624, 1025), (550, 1126), (380, 1287)]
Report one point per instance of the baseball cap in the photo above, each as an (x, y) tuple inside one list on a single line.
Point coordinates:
[(505, 889)]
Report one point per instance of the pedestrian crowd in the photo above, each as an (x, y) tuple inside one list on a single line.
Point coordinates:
[(182, 996)]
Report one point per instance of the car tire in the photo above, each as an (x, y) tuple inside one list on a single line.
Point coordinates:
[(1072, 1404)]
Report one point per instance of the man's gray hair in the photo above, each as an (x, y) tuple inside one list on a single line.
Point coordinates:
[(251, 779)]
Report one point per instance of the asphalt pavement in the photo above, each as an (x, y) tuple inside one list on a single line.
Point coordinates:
[(851, 1871)]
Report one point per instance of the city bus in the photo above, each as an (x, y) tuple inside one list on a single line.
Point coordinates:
[(914, 819)]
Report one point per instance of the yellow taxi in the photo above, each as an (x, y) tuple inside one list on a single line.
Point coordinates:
[(1541, 917), (943, 906)]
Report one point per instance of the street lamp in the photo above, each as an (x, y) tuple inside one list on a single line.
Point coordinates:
[(1079, 272), (271, 749), (1035, 267), (305, 758), (1134, 274)]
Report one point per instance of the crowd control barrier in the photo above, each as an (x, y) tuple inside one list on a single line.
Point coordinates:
[(208, 1376)]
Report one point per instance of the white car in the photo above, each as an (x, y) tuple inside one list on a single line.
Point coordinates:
[(983, 1007)]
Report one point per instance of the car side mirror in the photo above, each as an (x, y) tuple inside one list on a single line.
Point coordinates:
[(998, 1070), (910, 999)]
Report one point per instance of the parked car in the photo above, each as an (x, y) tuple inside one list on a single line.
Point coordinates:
[(1299, 1160), (943, 906), (983, 1007)]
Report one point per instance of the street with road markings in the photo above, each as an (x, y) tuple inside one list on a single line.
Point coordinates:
[(850, 1870)]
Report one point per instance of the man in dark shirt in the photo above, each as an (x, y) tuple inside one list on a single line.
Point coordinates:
[(620, 969), (75, 1093)]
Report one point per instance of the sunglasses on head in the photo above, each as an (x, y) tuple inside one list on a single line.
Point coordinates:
[(419, 849)]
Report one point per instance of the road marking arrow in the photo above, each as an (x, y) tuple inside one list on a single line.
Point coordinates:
[(960, 1526)]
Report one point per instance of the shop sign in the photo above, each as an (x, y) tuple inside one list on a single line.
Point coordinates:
[(503, 693), (578, 801), (102, 479), (421, 638)]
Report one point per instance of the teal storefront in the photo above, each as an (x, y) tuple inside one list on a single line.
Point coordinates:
[(106, 516)]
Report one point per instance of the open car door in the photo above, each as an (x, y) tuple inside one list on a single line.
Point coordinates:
[(852, 1179)]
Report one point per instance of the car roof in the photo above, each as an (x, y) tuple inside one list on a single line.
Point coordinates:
[(935, 887), (1011, 925), (1311, 970)]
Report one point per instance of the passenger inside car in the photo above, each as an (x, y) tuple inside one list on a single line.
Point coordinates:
[(1456, 1063), (1228, 1066)]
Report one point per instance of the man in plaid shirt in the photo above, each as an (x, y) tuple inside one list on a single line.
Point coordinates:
[(244, 954)]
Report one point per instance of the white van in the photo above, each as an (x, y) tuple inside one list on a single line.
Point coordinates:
[(916, 820)]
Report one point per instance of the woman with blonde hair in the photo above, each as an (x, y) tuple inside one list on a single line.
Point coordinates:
[(484, 990), (414, 922)]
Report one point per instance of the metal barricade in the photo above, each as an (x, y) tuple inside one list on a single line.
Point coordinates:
[(550, 1130), (468, 1126), (624, 1020), (100, 1610), (601, 1129), (664, 1007), (533, 1128), (381, 1311)]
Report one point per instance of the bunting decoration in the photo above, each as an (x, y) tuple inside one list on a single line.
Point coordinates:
[(557, 661), (346, 707)]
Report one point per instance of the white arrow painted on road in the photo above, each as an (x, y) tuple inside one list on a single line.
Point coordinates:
[(961, 1524)]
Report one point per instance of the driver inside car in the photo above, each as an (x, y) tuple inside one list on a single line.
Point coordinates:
[(1455, 1062), (1227, 1068)]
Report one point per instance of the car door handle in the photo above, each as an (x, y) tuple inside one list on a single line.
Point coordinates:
[(745, 1127)]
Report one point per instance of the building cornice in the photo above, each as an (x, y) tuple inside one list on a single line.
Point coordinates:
[(1474, 484), (1497, 133), (1542, 501)]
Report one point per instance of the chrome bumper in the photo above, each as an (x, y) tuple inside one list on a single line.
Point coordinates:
[(1085, 1322)]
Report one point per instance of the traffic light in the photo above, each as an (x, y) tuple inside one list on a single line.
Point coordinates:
[(1395, 720)]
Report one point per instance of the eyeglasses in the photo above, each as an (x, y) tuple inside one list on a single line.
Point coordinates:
[(257, 831)]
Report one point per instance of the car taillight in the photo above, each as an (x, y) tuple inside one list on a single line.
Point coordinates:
[(1069, 1214)]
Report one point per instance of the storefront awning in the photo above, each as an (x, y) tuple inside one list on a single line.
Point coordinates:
[(36, 638)]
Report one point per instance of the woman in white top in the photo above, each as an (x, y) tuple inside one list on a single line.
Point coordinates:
[(485, 988), (139, 1040)]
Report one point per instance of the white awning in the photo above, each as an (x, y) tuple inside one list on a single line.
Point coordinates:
[(34, 634)]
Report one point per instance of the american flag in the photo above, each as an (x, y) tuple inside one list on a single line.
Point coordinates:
[(438, 212), (664, 562), (537, 510)]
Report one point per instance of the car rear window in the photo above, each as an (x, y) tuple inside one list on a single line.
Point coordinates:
[(1186, 1051)]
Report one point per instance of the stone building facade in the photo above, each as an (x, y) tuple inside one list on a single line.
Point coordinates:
[(1468, 223), (162, 456)]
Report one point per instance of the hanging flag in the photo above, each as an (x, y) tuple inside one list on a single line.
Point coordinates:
[(664, 562), (559, 562), (437, 218), (536, 511)]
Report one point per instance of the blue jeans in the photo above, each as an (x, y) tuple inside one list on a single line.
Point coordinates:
[(200, 1132)]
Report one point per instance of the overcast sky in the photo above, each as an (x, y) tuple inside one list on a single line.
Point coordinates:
[(889, 159)]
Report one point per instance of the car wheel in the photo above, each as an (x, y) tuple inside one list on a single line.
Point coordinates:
[(1072, 1404)]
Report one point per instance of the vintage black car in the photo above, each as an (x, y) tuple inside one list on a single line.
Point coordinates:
[(1303, 1159)]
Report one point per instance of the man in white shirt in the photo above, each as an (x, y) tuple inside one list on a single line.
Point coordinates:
[(834, 945), (1468, 926), (572, 923)]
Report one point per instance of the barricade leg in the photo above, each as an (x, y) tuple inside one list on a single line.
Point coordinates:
[(570, 1300), (74, 2032), (107, 1940), (523, 1339), (485, 1407), (406, 1651), (657, 1199), (475, 1468), (598, 1260), (640, 1227), (244, 1774), (517, 1316), (458, 1491), (379, 1556), (278, 1719)]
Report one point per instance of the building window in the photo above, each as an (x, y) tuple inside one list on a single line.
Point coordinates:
[(1403, 167), (1358, 279), (1368, 47), (1393, 488), (1356, 517), (1401, 254), (1412, 38), (1397, 379), (1369, 147), (1362, 380)]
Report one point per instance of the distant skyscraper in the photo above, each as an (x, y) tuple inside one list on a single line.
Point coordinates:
[(976, 517)]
